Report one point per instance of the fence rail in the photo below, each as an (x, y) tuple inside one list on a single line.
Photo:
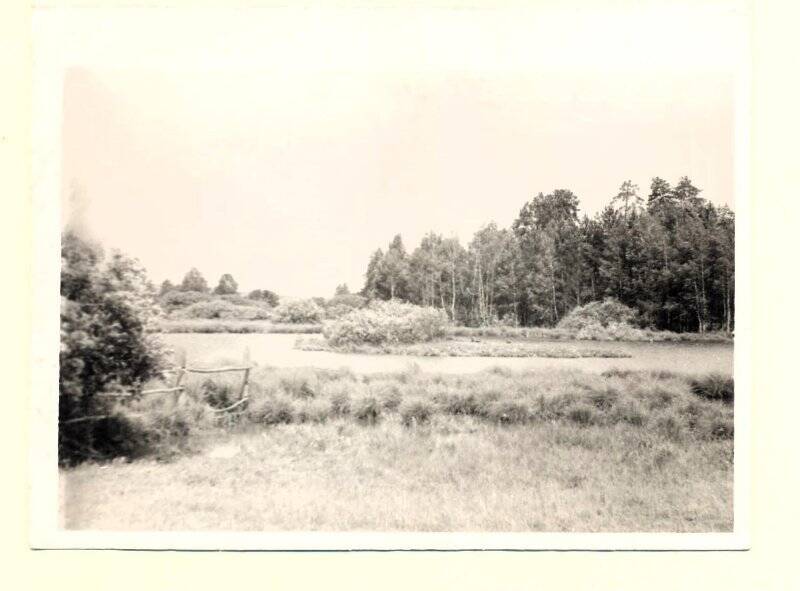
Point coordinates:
[(178, 390)]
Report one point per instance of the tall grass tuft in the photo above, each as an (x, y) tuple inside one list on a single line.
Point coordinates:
[(366, 410), (416, 412), (713, 387)]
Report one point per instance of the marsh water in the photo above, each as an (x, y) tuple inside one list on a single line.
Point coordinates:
[(278, 350)]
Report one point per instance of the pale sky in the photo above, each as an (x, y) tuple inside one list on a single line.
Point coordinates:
[(286, 153)]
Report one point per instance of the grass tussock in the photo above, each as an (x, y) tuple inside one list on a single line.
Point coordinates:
[(678, 407), (672, 409)]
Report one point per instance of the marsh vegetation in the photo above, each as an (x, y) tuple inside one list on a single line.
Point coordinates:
[(499, 450)]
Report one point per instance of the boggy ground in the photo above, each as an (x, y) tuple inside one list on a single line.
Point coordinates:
[(494, 451)]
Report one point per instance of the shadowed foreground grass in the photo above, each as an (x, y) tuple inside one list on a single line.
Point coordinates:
[(493, 451)]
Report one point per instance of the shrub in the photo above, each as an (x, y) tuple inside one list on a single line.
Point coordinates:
[(222, 309), (386, 323), (108, 311), (416, 412), (603, 313), (341, 304), (298, 312)]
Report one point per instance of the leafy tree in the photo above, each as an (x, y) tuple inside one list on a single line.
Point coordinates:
[(227, 285), (661, 195), (342, 290), (426, 266), (264, 295), (373, 286), (627, 199), (672, 261), (107, 313), (194, 281), (166, 286), (395, 269)]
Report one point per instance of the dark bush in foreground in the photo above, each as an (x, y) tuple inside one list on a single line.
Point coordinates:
[(107, 314)]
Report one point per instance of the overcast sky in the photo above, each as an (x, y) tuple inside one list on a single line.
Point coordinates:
[(286, 153)]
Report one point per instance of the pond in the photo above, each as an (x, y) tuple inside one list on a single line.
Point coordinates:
[(278, 350)]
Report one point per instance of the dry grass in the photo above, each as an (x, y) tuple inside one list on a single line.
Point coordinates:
[(452, 474), (492, 451)]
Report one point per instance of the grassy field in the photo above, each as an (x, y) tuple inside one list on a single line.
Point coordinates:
[(453, 474), (460, 347), (493, 451)]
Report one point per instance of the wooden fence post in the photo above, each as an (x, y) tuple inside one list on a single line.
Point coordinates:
[(178, 396), (246, 381)]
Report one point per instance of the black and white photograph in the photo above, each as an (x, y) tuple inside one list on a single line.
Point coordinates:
[(391, 277)]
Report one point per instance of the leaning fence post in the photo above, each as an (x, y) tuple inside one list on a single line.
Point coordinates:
[(179, 376), (246, 381)]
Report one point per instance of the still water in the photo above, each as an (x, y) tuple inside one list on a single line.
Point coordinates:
[(278, 350)]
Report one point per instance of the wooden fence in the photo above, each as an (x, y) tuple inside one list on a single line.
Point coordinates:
[(177, 390)]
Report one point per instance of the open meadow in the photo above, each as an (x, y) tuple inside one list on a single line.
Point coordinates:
[(499, 450)]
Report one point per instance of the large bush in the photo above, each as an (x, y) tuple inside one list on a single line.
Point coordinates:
[(107, 312), (609, 312), (342, 304), (298, 312), (386, 323)]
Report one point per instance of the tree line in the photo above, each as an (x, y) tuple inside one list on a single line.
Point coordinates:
[(194, 281), (669, 256)]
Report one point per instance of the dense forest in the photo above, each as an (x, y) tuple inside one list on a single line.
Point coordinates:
[(669, 256)]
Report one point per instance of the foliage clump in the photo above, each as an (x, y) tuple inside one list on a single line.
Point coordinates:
[(390, 322), (298, 312), (606, 313), (224, 309), (108, 311)]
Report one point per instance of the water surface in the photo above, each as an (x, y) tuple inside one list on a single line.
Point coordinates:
[(278, 350)]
